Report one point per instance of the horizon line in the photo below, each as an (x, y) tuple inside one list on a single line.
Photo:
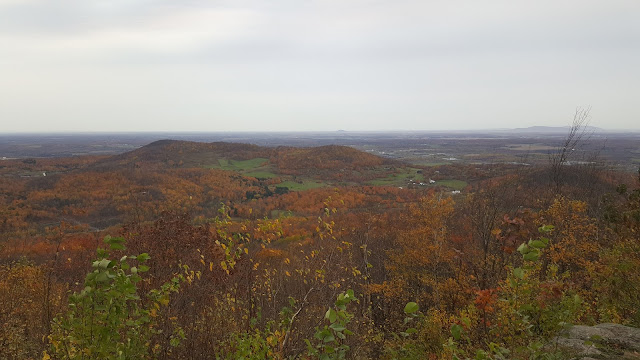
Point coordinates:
[(124, 132)]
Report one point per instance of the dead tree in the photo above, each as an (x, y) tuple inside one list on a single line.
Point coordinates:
[(562, 156)]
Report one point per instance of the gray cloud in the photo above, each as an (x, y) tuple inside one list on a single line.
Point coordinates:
[(315, 65)]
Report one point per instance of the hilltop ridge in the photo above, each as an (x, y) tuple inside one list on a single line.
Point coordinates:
[(282, 159)]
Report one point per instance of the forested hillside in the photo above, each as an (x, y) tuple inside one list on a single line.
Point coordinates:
[(185, 250)]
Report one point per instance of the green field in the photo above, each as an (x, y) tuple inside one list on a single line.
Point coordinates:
[(398, 179), (241, 165), (257, 167), (452, 183), (261, 174)]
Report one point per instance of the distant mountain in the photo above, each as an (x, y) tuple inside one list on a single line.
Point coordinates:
[(323, 161), (553, 129), (163, 153)]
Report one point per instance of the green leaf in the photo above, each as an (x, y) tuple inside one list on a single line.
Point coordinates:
[(523, 248), (546, 228), (329, 338), (532, 256), (104, 263), (143, 257), (331, 315), (115, 243), (466, 321), (102, 277), (537, 244), (519, 273), (116, 246), (456, 331), (410, 308)]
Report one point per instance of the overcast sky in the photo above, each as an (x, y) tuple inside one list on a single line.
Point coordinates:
[(297, 65)]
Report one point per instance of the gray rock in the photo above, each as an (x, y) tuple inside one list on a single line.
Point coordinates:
[(576, 346), (603, 341), (624, 336), (589, 333)]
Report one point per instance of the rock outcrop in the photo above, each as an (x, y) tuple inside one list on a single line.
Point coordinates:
[(602, 341)]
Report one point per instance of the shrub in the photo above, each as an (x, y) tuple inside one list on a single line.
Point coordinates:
[(108, 319)]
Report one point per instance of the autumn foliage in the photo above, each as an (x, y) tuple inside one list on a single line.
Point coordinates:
[(263, 266)]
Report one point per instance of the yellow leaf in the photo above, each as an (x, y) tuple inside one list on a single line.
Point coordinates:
[(210, 266)]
